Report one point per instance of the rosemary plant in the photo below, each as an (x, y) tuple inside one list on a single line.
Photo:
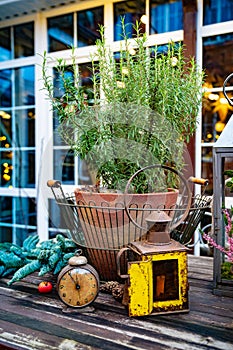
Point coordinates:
[(144, 109)]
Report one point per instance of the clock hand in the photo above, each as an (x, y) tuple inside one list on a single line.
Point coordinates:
[(75, 282), (69, 273)]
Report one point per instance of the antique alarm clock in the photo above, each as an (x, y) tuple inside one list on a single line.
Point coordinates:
[(78, 283)]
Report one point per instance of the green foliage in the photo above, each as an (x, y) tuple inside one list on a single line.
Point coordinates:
[(48, 256), (55, 257), (145, 109), (2, 269), (30, 242), (10, 260), (120, 142), (18, 251), (60, 264), (12, 257), (227, 270), (25, 270), (166, 83), (44, 269), (75, 97), (229, 181), (9, 271)]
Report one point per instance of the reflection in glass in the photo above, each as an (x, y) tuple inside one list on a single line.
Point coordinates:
[(58, 83), (165, 17), (215, 109), (5, 88), (5, 129), (6, 168), (24, 86), (131, 11), (60, 33), (88, 22), (218, 65), (64, 161), (25, 211), (84, 177), (24, 40), (5, 234), (85, 72), (17, 211), (58, 94), (5, 44), (217, 62), (217, 11), (22, 233), (24, 168), (207, 168), (57, 140), (5, 209), (64, 166), (216, 112), (55, 217), (85, 81), (25, 127)]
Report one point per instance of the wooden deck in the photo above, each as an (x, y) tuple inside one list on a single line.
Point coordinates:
[(29, 320)]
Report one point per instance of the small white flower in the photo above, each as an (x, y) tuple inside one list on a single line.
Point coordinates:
[(120, 84)]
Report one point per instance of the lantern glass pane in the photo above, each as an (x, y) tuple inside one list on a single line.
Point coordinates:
[(165, 280)]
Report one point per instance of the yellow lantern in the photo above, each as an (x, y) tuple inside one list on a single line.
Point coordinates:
[(157, 275)]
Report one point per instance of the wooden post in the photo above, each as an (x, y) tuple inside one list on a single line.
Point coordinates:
[(190, 14)]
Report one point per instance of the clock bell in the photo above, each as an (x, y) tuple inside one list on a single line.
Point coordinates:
[(157, 276)]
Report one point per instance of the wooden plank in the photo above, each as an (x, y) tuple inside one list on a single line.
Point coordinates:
[(95, 331), (106, 325), (123, 333), (187, 319), (19, 337)]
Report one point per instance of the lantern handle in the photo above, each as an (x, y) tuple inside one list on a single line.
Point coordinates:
[(118, 258), (230, 100)]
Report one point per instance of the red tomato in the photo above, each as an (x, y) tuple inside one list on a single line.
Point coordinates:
[(45, 287)]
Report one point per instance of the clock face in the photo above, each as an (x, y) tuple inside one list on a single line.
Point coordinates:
[(78, 287)]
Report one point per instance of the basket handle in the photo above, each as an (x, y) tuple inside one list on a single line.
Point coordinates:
[(54, 183), (198, 181), (182, 178)]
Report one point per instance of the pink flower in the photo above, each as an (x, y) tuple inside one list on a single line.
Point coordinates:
[(229, 236)]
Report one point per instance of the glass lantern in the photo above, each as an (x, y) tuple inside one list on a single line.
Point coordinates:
[(223, 200)]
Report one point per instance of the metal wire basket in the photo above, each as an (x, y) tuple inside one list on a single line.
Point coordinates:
[(102, 223)]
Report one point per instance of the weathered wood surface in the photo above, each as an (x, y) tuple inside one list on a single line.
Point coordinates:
[(29, 320)]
